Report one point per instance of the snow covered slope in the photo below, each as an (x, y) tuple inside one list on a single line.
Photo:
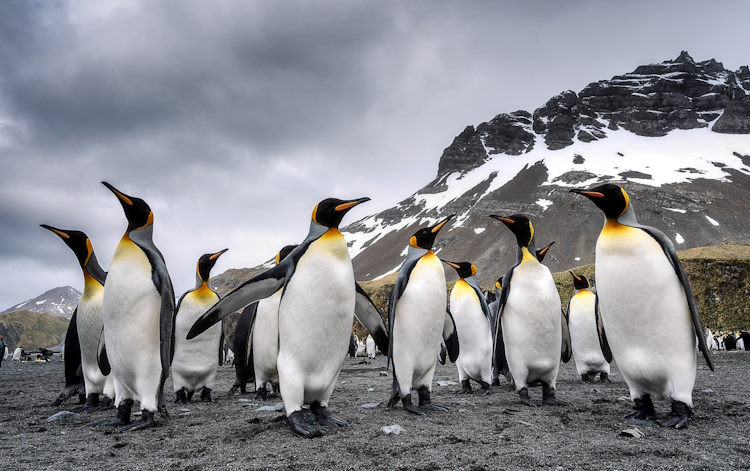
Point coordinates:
[(61, 301), (675, 134)]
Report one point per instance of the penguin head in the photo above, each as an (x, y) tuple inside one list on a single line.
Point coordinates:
[(613, 200), (521, 227), (464, 269), (206, 263), (579, 281), (78, 242), (286, 250), (424, 238), (331, 211), (137, 212), (541, 253), (499, 283)]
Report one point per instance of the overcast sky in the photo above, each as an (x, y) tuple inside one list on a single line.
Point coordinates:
[(232, 119)]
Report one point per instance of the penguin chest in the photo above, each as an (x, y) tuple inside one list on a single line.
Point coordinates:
[(195, 360), (90, 323), (583, 332), (643, 305), (317, 307), (420, 314), (473, 330), (131, 308), (266, 337), (531, 318)]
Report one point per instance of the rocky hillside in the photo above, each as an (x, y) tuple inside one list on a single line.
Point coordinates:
[(61, 301), (32, 329), (676, 134)]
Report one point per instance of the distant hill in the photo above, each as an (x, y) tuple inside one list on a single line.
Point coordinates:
[(61, 301), (32, 329)]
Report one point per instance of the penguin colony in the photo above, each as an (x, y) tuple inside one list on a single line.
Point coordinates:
[(295, 328)]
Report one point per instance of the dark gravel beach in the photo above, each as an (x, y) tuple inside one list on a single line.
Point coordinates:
[(479, 432)]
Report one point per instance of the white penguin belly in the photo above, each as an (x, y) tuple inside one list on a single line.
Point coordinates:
[(645, 315), (266, 339), (316, 314), (475, 358), (131, 326), (532, 332), (196, 360), (584, 336), (418, 324), (90, 323)]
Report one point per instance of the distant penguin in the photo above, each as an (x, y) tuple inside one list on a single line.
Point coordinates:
[(472, 317), (740, 342), (316, 312), (647, 307), (710, 342), (418, 319), (99, 386), (530, 317), (195, 361), (730, 342), (353, 344), (745, 336), (139, 309), (17, 354), (590, 355), (541, 253), (370, 345), (361, 348)]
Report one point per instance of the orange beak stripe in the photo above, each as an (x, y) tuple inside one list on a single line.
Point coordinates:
[(345, 206)]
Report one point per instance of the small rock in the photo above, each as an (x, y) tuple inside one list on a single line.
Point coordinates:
[(42, 429), (278, 407), (394, 429), (600, 400), (370, 389), (245, 400), (382, 373), (184, 410), (634, 432), (707, 391), (370, 405), (183, 414), (525, 423), (63, 414), (120, 444), (594, 390), (623, 399), (446, 383)]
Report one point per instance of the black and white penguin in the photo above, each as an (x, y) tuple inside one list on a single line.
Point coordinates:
[(139, 309), (499, 363), (590, 350), (472, 317), (745, 336), (195, 361), (89, 323), (648, 309), (417, 321), (370, 346), (530, 317), (316, 314)]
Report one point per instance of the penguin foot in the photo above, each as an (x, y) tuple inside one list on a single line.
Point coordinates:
[(604, 378), (409, 407), (104, 404), (549, 399), (303, 425), (523, 396), (425, 402), (92, 403), (261, 393), (678, 418), (585, 378), (465, 387), (121, 419), (206, 395), (147, 421), (324, 417), (180, 397), (643, 411), (485, 388), (496, 381)]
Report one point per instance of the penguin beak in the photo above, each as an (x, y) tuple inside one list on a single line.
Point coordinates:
[(436, 228), (587, 193), (544, 250), (124, 199), (576, 277), (505, 220), (453, 264), (217, 254), (59, 232), (350, 204)]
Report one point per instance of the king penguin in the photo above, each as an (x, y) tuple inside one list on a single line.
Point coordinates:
[(195, 361), (316, 313), (472, 317), (138, 307), (88, 321), (418, 319), (590, 349), (499, 363), (647, 307), (531, 319)]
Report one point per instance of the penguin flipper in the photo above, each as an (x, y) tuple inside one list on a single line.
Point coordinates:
[(101, 358), (498, 350), (600, 330), (255, 289), (450, 336), (398, 289), (73, 377), (242, 345), (221, 345), (443, 353), (482, 299), (369, 316), (567, 349), (671, 253)]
